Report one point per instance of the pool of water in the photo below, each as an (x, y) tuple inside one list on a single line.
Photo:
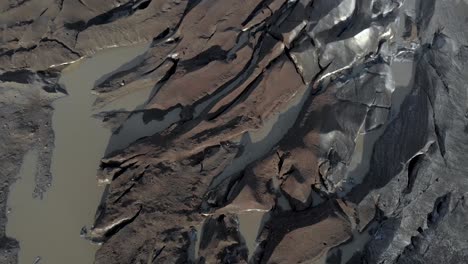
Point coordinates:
[(48, 230)]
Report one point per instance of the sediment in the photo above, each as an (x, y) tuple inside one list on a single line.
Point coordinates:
[(273, 96)]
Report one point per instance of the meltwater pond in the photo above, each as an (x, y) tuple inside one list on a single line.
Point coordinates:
[(48, 230)]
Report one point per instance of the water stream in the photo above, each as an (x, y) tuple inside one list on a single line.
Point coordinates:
[(48, 230)]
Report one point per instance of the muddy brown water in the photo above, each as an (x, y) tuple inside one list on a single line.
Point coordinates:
[(50, 228), (250, 223)]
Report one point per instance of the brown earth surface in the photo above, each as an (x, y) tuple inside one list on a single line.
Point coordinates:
[(291, 108)]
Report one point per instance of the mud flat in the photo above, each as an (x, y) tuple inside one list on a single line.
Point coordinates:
[(49, 229)]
